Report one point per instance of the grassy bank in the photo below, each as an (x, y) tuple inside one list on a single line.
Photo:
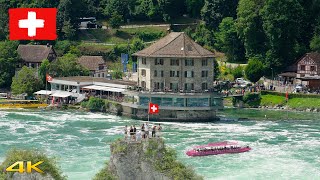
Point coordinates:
[(262, 114)]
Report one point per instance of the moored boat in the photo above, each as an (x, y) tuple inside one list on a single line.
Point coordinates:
[(218, 148)]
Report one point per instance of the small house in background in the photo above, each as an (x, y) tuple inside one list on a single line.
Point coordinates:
[(95, 64), (308, 70), (33, 55)]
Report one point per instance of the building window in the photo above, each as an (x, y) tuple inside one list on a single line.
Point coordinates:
[(32, 65), (204, 86), (188, 74), (189, 62), (98, 75), (302, 67), (204, 62), (161, 73), (174, 86), (312, 68), (155, 73), (143, 84), (174, 62), (143, 72), (188, 86), (144, 61), (156, 85), (174, 73), (158, 61), (101, 67), (204, 74), (102, 75)]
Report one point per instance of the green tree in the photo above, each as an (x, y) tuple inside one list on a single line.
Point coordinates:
[(136, 45), (67, 66), (255, 69), (8, 61), (43, 70), (228, 42), (216, 69), (26, 81), (249, 26), (203, 36), (116, 70), (315, 44), (237, 72), (282, 23), (115, 20), (214, 11), (194, 7)]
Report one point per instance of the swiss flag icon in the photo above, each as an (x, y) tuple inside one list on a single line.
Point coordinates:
[(32, 23), (153, 108)]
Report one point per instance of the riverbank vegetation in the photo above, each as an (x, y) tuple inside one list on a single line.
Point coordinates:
[(277, 100), (49, 165)]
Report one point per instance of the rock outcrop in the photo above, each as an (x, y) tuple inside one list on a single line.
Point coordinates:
[(146, 160)]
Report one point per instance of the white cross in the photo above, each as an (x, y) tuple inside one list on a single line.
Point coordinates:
[(154, 108), (32, 23)]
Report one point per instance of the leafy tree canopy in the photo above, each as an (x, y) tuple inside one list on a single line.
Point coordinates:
[(67, 66), (8, 61), (255, 69), (26, 81)]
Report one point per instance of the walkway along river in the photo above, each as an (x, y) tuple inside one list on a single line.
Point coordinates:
[(80, 140)]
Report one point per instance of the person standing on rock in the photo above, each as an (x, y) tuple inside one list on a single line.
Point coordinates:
[(131, 133), (159, 131), (143, 131), (147, 130), (134, 132), (125, 132), (154, 131)]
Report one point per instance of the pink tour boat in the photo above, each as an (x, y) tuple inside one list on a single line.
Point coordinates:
[(217, 148)]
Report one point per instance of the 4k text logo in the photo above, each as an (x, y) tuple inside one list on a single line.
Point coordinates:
[(21, 168)]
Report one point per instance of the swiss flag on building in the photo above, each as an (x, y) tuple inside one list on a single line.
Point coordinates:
[(32, 23), (48, 77), (153, 108)]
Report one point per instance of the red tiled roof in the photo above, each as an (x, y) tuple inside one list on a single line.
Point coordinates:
[(175, 44)]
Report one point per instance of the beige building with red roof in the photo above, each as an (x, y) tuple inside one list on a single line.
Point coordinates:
[(175, 63), (95, 64)]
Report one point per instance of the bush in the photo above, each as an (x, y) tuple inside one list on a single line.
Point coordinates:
[(48, 166), (237, 72), (254, 70), (104, 174), (96, 104), (290, 95), (252, 100), (168, 163)]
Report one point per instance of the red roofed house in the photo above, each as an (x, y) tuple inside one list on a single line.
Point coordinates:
[(95, 64)]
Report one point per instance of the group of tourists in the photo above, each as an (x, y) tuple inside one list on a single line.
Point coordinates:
[(134, 135)]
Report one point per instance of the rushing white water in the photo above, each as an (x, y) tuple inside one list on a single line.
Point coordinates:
[(80, 141)]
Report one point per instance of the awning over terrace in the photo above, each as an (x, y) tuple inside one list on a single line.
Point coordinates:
[(62, 94), (104, 88), (43, 92)]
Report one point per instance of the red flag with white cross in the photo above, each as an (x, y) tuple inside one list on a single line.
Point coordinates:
[(48, 77), (153, 108), (32, 23)]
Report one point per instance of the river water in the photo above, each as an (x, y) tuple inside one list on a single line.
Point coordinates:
[(80, 141)]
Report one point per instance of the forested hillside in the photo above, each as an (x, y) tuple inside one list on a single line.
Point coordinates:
[(272, 32)]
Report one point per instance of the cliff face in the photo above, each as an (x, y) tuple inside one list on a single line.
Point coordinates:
[(130, 160)]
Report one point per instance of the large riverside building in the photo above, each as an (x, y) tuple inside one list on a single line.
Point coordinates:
[(176, 73)]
